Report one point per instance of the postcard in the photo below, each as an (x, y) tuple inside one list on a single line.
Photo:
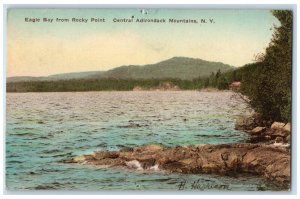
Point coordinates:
[(148, 99)]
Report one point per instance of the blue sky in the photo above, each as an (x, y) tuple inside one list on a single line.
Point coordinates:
[(50, 48)]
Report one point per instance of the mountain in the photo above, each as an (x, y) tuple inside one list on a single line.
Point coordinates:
[(176, 67)]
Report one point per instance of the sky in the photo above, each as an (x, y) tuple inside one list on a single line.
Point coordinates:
[(43, 48)]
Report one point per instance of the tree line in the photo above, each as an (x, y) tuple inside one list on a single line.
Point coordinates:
[(107, 84), (216, 80)]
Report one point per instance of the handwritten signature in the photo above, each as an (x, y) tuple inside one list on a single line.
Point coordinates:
[(198, 185)]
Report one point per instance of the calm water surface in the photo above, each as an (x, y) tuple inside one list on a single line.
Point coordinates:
[(45, 128)]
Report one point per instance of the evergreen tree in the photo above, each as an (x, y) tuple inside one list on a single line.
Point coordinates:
[(269, 85)]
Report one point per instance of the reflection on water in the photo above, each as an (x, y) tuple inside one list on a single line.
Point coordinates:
[(44, 128)]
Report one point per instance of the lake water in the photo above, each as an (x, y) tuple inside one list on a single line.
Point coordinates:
[(44, 128)]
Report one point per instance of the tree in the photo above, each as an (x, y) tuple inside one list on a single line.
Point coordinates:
[(269, 86), (222, 83)]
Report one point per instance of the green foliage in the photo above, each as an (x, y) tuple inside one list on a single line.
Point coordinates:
[(222, 83), (219, 80), (108, 84), (268, 83)]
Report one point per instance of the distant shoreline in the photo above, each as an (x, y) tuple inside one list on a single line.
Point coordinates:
[(81, 85), (212, 91)]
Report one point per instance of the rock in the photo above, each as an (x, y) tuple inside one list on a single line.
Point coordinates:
[(125, 148), (244, 123), (272, 162), (267, 137), (105, 154), (258, 135), (288, 139), (279, 171), (258, 130), (151, 147), (78, 159), (287, 128), (259, 139), (279, 129), (279, 139), (134, 164), (277, 126), (147, 163), (277, 133)]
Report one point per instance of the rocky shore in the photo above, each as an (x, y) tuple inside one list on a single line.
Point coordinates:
[(261, 131), (269, 161), (266, 154)]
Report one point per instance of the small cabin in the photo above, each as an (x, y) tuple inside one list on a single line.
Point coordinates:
[(235, 86)]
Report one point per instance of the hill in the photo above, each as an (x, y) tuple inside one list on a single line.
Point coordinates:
[(63, 76), (176, 67)]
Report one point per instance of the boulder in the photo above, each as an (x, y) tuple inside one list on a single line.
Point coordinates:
[(245, 123), (287, 128), (277, 126), (279, 129), (258, 130), (277, 133)]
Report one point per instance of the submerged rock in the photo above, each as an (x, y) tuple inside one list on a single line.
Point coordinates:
[(269, 161)]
